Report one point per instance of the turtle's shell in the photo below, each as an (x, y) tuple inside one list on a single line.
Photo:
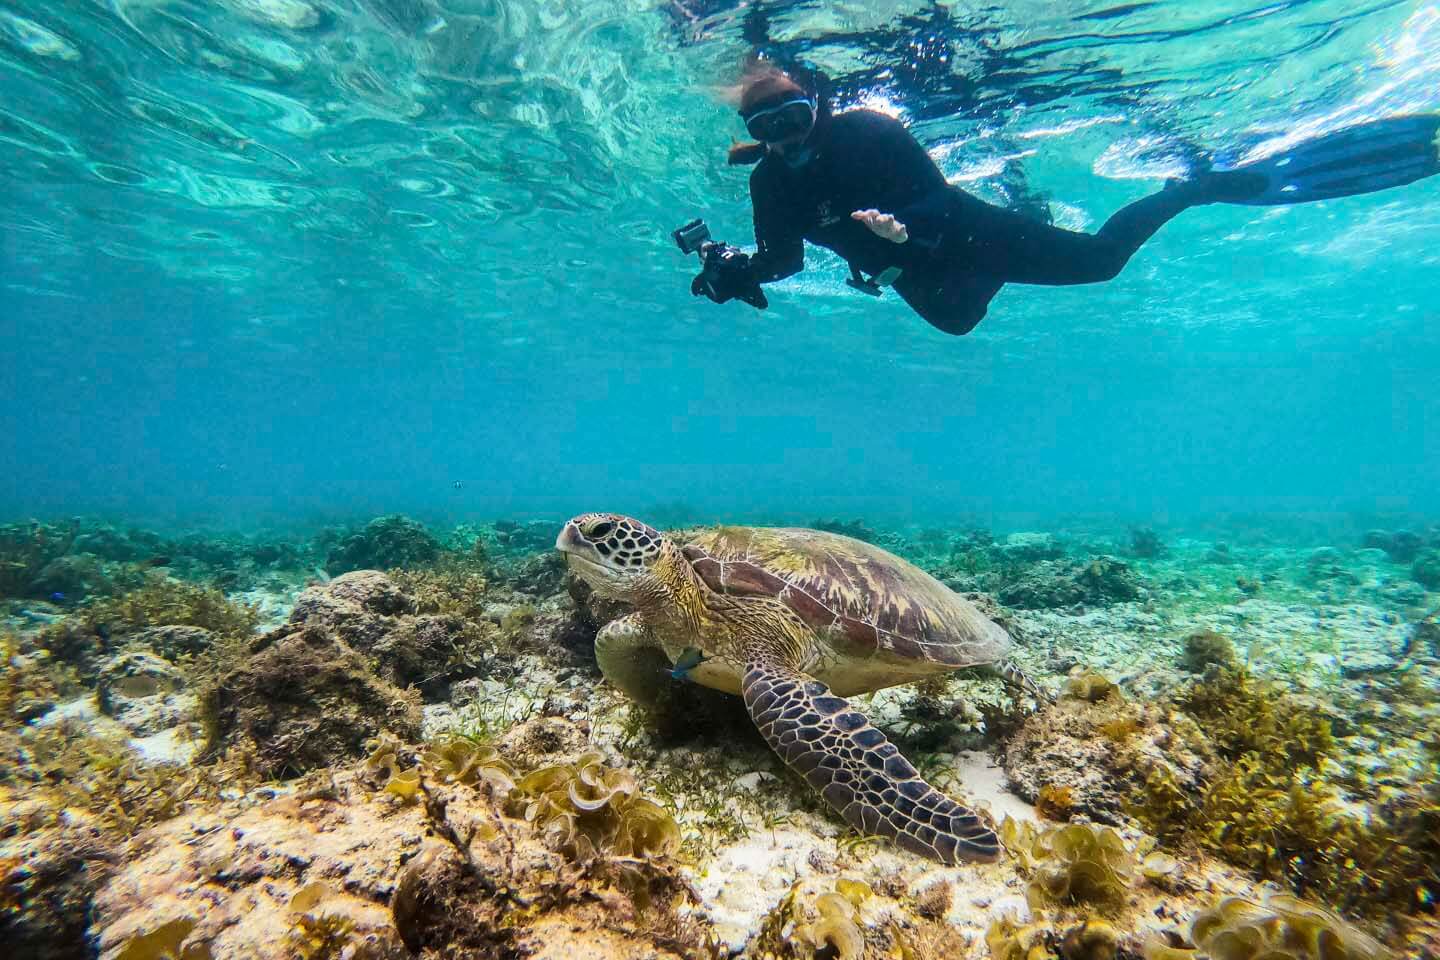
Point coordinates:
[(864, 601)]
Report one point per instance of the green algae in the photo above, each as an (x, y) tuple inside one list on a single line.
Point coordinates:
[(1092, 939), (824, 923), (1090, 686), (1280, 928), (164, 601), (1073, 864), (585, 809), (1273, 804)]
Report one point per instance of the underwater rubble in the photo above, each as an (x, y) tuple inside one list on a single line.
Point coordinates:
[(389, 741)]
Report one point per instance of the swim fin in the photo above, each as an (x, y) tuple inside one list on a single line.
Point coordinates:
[(1359, 159)]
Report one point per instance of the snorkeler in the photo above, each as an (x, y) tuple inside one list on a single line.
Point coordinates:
[(860, 184)]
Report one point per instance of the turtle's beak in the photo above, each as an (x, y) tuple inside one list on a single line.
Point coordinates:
[(569, 538)]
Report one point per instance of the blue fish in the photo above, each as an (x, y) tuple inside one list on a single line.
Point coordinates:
[(57, 597), (690, 658)]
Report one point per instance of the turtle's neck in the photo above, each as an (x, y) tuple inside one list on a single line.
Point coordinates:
[(680, 596)]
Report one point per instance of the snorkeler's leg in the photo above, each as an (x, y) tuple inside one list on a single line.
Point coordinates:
[(998, 242), (949, 300)]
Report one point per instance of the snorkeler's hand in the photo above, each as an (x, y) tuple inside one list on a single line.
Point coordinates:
[(882, 225)]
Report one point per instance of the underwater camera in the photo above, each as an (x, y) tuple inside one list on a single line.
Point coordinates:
[(725, 270)]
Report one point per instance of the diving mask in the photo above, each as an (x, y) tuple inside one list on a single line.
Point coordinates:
[(783, 121)]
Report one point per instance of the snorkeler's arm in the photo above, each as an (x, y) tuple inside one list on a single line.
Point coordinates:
[(779, 240), (897, 157)]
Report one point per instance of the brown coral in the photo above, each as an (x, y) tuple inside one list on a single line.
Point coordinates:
[(305, 701)]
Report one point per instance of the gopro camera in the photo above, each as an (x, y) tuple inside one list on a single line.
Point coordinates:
[(691, 237)]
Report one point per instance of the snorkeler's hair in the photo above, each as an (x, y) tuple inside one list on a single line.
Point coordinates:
[(760, 80)]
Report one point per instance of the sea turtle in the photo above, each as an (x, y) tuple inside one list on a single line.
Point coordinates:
[(793, 620)]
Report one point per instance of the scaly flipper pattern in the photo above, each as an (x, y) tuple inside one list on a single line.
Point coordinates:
[(857, 769)]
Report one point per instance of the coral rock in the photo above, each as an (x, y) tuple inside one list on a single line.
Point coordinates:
[(371, 615), (1099, 753), (380, 878), (1426, 570), (144, 692), (174, 642), (48, 874), (305, 700)]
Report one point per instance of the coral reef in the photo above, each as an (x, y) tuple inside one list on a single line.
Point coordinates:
[(69, 802), (1146, 544), (515, 831), (1205, 648), (385, 543), (50, 868), (144, 692), (28, 548), (1426, 569), (422, 629), (72, 578), (530, 537), (27, 689), (537, 575), (1049, 584), (1401, 546), (1326, 568), (1028, 548)]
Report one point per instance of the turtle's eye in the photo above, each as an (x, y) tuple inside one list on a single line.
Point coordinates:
[(601, 529)]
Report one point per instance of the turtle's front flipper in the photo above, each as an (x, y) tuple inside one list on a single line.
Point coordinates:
[(631, 659), (857, 769)]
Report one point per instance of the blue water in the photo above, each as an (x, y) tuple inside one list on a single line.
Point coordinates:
[(272, 261)]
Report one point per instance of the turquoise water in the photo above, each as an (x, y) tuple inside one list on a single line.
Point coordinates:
[(272, 261)]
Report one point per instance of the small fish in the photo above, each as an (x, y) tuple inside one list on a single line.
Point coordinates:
[(57, 597), (458, 484), (690, 658), (160, 561)]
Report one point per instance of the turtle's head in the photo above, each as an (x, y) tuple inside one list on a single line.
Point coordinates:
[(613, 553)]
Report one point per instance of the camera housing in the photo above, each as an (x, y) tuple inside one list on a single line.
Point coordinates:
[(691, 237), (720, 264)]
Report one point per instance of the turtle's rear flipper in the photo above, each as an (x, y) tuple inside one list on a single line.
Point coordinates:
[(857, 769)]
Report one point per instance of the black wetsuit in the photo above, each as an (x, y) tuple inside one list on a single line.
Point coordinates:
[(960, 249)]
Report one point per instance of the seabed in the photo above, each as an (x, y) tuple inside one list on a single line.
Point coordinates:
[(390, 741)]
